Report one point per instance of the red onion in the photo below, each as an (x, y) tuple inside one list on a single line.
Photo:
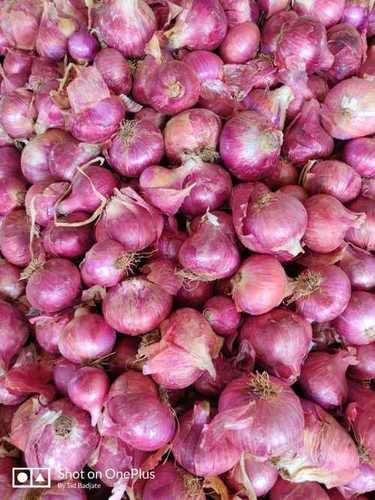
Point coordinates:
[(332, 177), (221, 313), (194, 293), (359, 416), (83, 46), (281, 340), (210, 252), (43, 70), (260, 285), (125, 356), (11, 287), (195, 132), (322, 293), (60, 438), (174, 87), (17, 62), (363, 483), (35, 155), (271, 7), (22, 420), (137, 145), (283, 174), (359, 266), (89, 186), (328, 221), (206, 65), (163, 272), (18, 113), (135, 413), (273, 29), (294, 491), (188, 30), (294, 190), (53, 34), (88, 389), (12, 194), (143, 305), (360, 154), (115, 70), (171, 482), (328, 13), (127, 209), (20, 22), (260, 414), (126, 26), (363, 235), (50, 114), (252, 477), (63, 372), (187, 344), (272, 104), (13, 330), (360, 392), (356, 13), (255, 142), (317, 460), (48, 329), (323, 377), (240, 44), (9, 162), (365, 369), (196, 446), (53, 286), (15, 238), (41, 199), (305, 138), (266, 222), (356, 325), (346, 112), (240, 11), (13, 82)]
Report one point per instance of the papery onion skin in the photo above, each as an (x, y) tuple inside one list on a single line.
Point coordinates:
[(273, 29), (365, 369), (15, 238), (48, 329), (360, 154), (356, 325), (221, 313), (134, 295), (297, 491), (41, 199), (259, 285), (63, 372), (13, 330), (284, 173), (281, 340), (10, 162), (11, 287), (260, 476), (255, 142), (20, 22), (363, 483), (328, 222), (194, 293), (335, 178), (359, 266), (54, 286), (363, 235), (240, 11), (12, 194), (18, 113), (360, 417), (115, 70), (356, 13), (328, 13), (206, 65), (240, 43)]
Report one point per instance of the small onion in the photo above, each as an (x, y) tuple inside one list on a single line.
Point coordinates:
[(356, 13), (48, 329), (252, 476), (240, 43), (15, 238), (221, 313), (359, 266), (17, 61), (82, 46), (328, 13), (206, 65), (360, 154), (115, 70), (18, 113), (11, 287), (356, 325), (363, 235), (273, 29), (41, 199)]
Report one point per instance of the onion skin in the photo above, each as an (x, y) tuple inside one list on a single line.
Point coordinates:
[(294, 491), (41, 199), (13, 331), (273, 104), (364, 483), (206, 65), (221, 313), (359, 266), (273, 29), (363, 235), (12, 194), (240, 11), (356, 13), (10, 162), (82, 46), (115, 70), (252, 475), (328, 13), (281, 340), (359, 416), (20, 22), (356, 325), (194, 293), (63, 372), (259, 285), (48, 329), (256, 142), (15, 238), (365, 369), (360, 154), (18, 113), (240, 43), (11, 286), (54, 286)]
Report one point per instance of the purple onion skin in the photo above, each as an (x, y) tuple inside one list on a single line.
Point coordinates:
[(83, 46)]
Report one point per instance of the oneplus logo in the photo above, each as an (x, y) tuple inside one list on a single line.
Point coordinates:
[(31, 477)]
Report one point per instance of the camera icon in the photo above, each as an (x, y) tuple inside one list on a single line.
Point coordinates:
[(31, 477)]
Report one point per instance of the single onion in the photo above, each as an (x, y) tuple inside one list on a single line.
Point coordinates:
[(13, 331), (295, 491), (317, 459), (273, 29), (48, 329), (41, 199), (328, 13), (332, 177), (259, 285), (250, 145), (365, 369), (10, 162), (60, 438), (195, 132), (363, 235), (221, 313), (359, 266), (115, 70), (19, 23), (12, 194), (360, 417), (197, 447), (206, 65), (356, 325), (125, 25), (194, 293), (188, 30), (252, 476), (240, 11), (266, 222), (86, 337), (53, 286), (187, 344), (321, 293), (15, 238), (356, 13), (136, 306), (210, 252), (281, 340), (136, 414), (137, 145), (18, 113), (63, 372), (174, 87), (88, 390), (240, 44), (260, 414), (11, 287), (346, 111), (328, 222), (82, 46), (360, 154)]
